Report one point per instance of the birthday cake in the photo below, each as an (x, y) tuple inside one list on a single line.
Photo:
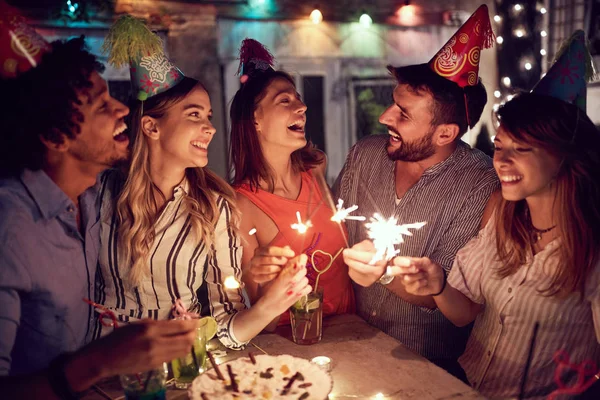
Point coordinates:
[(271, 377)]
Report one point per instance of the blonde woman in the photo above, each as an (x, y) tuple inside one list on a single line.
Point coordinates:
[(168, 223)]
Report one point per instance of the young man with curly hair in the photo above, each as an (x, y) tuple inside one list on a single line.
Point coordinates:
[(61, 128)]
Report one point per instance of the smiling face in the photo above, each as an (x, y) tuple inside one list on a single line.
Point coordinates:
[(101, 141), (185, 131), (524, 171), (280, 117), (409, 125)]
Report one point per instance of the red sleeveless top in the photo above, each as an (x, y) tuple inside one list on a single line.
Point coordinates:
[(324, 235)]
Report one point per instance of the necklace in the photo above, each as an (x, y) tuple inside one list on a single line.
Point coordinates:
[(536, 233)]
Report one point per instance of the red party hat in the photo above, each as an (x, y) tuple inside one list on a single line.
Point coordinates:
[(21, 47), (458, 60)]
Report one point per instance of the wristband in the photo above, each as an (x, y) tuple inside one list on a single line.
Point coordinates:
[(57, 379), (443, 284)]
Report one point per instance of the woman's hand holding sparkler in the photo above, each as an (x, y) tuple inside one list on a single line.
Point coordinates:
[(287, 288), (360, 267), (268, 261), (420, 276)]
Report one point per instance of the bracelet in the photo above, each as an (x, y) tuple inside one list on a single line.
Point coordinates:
[(443, 284), (57, 379)]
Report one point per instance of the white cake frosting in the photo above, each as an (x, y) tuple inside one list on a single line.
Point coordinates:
[(265, 380)]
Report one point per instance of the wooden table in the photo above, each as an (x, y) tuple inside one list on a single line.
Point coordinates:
[(366, 364)]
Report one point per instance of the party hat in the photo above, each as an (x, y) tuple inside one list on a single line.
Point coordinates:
[(130, 41), (21, 47), (458, 60), (254, 58), (572, 69)]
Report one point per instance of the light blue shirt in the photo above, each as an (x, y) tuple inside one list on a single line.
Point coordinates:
[(46, 269)]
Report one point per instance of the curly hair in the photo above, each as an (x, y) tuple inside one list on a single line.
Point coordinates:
[(43, 103)]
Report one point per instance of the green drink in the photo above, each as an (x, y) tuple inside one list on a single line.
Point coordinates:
[(186, 369), (149, 385), (306, 317)]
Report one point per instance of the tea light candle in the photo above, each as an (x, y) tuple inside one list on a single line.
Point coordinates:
[(322, 362)]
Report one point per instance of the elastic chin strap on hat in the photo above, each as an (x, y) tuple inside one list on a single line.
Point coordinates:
[(467, 109)]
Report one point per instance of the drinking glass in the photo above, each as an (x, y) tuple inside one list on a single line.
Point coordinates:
[(306, 317)]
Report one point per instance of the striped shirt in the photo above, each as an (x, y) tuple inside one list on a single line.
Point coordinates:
[(180, 266), (450, 196), (497, 350)]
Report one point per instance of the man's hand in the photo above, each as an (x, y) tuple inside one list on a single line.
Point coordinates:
[(268, 261), (420, 276), (358, 259), (130, 349)]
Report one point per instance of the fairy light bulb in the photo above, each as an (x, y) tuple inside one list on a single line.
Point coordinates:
[(316, 17), (499, 39), (365, 20)]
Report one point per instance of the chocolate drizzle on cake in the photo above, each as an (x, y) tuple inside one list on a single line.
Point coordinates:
[(303, 396), (234, 385), (267, 374), (286, 388)]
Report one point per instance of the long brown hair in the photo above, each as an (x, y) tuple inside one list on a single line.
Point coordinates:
[(566, 132), (247, 159), (136, 207)]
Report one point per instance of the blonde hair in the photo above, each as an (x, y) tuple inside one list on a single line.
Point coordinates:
[(136, 208)]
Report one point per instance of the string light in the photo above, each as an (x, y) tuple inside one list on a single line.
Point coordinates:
[(543, 52), (543, 10), (497, 94), (527, 66), (72, 7), (499, 39), (497, 18), (365, 20), (519, 33), (518, 7), (509, 97), (544, 33), (316, 17), (506, 81)]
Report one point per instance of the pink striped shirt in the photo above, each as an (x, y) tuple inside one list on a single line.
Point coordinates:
[(496, 352)]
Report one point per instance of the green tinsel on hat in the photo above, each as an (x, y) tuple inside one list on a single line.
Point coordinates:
[(131, 42), (128, 40)]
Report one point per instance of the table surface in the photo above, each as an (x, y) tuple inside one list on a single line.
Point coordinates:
[(366, 363)]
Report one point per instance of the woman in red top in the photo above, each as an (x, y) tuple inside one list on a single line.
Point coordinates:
[(275, 175)]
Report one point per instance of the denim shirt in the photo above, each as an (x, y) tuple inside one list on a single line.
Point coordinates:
[(46, 269)]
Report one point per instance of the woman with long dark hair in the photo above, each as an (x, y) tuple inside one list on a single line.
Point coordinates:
[(278, 176)]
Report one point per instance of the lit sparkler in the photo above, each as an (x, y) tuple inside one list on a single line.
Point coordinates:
[(231, 283), (342, 213), (301, 227), (386, 234)]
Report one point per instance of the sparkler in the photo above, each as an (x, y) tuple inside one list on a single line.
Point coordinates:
[(231, 283), (301, 227), (386, 234), (342, 214)]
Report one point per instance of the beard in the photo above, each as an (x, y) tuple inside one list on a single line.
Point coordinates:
[(414, 151)]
